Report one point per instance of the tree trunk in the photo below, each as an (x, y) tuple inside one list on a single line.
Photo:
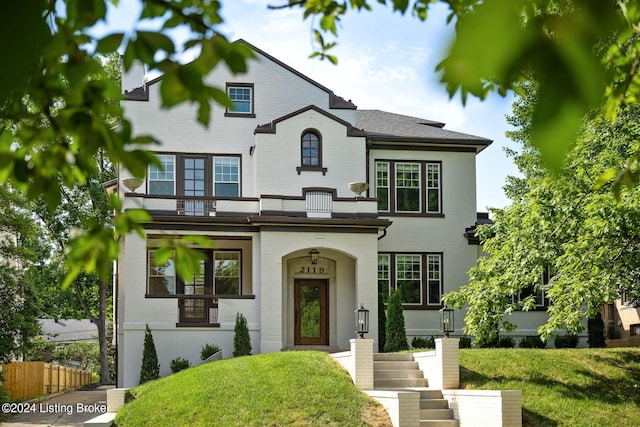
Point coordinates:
[(105, 378)]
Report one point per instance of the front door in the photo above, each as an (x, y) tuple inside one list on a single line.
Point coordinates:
[(311, 318)]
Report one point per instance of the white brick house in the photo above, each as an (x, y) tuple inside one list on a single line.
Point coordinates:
[(268, 183)]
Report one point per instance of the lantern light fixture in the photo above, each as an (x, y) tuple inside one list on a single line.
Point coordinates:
[(446, 320), (314, 255), (362, 321)]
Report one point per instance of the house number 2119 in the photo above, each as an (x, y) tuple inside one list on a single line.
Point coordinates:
[(311, 269)]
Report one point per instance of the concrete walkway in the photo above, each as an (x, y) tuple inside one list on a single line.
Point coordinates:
[(63, 410)]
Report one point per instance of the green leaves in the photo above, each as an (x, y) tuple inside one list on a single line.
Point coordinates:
[(186, 251), (25, 34)]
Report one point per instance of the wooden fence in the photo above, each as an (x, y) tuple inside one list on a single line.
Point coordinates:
[(24, 380)]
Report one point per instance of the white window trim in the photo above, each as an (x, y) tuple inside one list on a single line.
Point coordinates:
[(149, 180), (238, 182)]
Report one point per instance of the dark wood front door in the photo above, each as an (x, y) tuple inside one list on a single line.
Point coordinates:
[(311, 318)]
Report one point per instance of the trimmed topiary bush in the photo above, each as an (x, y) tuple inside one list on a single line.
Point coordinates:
[(208, 350), (418, 342), (382, 325), (595, 332), (506, 342), (241, 339), (532, 341), (565, 341), (465, 342), (179, 364), (150, 369), (396, 334)]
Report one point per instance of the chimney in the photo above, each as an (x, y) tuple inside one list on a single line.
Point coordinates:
[(134, 78)]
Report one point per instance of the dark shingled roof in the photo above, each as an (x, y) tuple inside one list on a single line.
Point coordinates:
[(381, 125), (68, 330)]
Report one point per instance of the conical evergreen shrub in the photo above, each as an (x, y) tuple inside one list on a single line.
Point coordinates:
[(241, 339), (150, 367), (396, 339), (382, 325)]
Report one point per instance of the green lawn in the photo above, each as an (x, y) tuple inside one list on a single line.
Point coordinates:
[(577, 387), (288, 388), (574, 387)]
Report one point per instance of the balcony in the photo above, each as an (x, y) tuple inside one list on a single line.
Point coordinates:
[(313, 203), (198, 310)]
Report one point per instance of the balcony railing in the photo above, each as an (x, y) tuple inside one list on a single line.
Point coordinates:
[(319, 204), (198, 310), (196, 206)]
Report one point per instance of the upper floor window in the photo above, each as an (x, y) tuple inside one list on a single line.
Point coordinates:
[(226, 176), (401, 187), (310, 149), (196, 176), (311, 152), (241, 94), (162, 179)]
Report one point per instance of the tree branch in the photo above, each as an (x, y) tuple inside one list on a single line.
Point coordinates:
[(288, 5)]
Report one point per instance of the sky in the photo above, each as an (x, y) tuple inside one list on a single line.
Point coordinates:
[(386, 61)]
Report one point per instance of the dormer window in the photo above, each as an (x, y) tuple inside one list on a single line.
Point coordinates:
[(311, 152), (241, 94)]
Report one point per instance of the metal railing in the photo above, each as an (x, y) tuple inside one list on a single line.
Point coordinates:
[(198, 309), (319, 204), (195, 206)]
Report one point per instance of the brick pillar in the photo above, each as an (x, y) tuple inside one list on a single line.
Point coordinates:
[(362, 356), (449, 361)]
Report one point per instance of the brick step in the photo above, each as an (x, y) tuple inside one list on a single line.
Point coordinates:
[(397, 357), (400, 382), (392, 365), (382, 374), (439, 423), (434, 404), (436, 414)]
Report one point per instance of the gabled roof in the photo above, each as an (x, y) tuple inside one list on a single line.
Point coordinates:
[(271, 127), (142, 93), (390, 127), (68, 330)]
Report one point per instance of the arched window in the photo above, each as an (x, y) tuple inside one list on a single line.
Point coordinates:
[(311, 150)]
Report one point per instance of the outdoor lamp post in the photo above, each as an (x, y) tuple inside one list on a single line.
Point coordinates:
[(446, 320), (362, 321), (314, 254)]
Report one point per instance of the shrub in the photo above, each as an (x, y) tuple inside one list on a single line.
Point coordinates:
[(532, 341), (465, 342), (179, 364), (566, 341), (208, 350), (382, 325), (417, 342), (396, 334), (150, 369), (241, 339), (506, 342), (595, 332), (613, 333)]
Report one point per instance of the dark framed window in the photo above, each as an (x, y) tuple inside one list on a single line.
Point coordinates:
[(418, 277), (241, 95), (310, 149), (409, 188), (220, 274), (311, 152), (537, 291), (196, 176)]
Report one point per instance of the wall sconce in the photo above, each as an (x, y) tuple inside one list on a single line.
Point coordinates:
[(314, 254), (362, 321), (446, 320)]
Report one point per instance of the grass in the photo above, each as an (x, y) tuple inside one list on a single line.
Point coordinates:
[(288, 388), (572, 387)]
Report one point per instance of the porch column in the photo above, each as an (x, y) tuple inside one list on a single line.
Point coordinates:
[(367, 287), (271, 309)]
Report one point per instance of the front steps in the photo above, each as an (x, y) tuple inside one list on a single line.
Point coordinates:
[(401, 372)]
